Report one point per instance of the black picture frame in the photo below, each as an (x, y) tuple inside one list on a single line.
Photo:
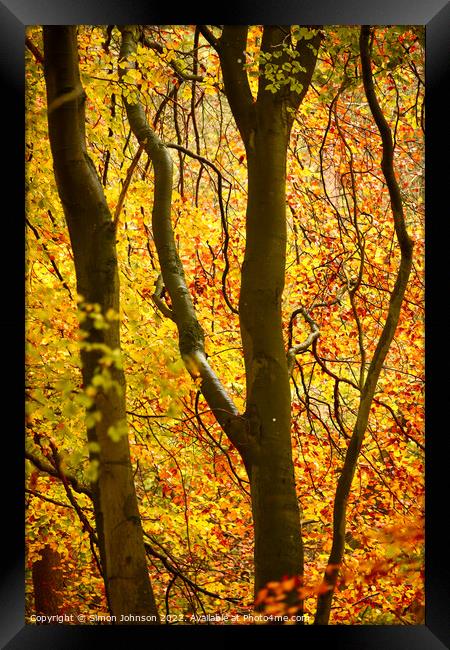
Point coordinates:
[(14, 16)]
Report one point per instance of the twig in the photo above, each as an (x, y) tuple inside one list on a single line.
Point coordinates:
[(223, 218), (176, 572), (126, 184), (222, 449), (48, 469), (34, 493), (81, 516), (50, 257), (186, 76)]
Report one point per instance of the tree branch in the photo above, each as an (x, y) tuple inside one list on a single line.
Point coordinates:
[(176, 572), (301, 347), (38, 495), (50, 257), (191, 336), (315, 332), (217, 443), (231, 51), (126, 184), (157, 299), (399, 421), (277, 39), (209, 36), (34, 50), (51, 471), (223, 218), (185, 76)]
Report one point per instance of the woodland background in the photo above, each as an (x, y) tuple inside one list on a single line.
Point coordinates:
[(191, 485)]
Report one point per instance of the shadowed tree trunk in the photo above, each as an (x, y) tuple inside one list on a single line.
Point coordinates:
[(92, 236), (48, 583)]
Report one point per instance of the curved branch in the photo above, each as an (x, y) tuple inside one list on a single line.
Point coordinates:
[(315, 332), (384, 342), (191, 336), (157, 298), (51, 471), (301, 347)]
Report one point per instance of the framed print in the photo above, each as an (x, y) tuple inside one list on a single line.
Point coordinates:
[(233, 249)]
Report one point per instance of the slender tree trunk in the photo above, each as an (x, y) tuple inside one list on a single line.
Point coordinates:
[(395, 303), (92, 236)]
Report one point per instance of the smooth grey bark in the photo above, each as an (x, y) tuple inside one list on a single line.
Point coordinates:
[(92, 236), (367, 394)]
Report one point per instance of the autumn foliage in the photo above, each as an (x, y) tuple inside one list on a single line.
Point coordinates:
[(342, 259)]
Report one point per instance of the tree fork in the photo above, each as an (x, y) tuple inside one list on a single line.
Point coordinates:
[(265, 126), (262, 436)]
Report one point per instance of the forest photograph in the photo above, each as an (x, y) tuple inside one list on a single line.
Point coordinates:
[(224, 320)]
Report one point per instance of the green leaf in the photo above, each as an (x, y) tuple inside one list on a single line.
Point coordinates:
[(91, 472), (117, 431)]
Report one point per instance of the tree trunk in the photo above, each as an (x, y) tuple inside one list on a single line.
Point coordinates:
[(262, 434), (265, 126), (276, 516), (92, 236), (48, 583)]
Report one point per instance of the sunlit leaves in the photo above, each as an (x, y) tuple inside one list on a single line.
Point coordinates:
[(190, 483)]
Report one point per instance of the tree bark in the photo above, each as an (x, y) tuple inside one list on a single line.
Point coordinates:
[(265, 126), (190, 332), (92, 236), (276, 515)]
